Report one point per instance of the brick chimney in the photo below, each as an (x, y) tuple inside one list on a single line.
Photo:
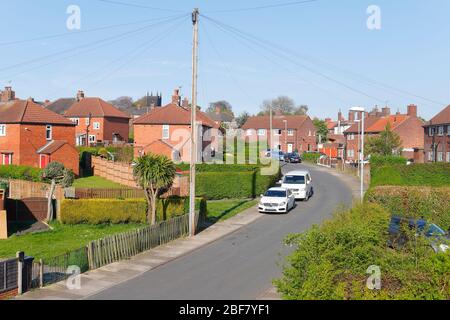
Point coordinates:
[(412, 110), (340, 117), (185, 103), (386, 111), (351, 116), (80, 95), (176, 97), (7, 95)]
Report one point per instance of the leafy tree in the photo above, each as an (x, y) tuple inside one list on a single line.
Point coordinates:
[(386, 143), (322, 129), (56, 174), (155, 174), (224, 106), (242, 119), (283, 105)]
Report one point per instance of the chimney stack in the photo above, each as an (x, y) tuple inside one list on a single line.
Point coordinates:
[(185, 103), (351, 116), (412, 110), (80, 95), (340, 117), (7, 95), (176, 97)]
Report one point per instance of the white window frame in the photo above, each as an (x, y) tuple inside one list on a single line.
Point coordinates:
[(430, 131), (166, 131), (448, 156), (430, 156), (48, 132), (290, 132), (440, 156), (440, 130), (2, 130), (4, 155), (261, 132), (96, 125), (75, 120), (350, 153), (277, 132), (92, 140), (249, 132)]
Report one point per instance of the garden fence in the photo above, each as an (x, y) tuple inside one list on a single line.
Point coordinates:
[(8, 275)]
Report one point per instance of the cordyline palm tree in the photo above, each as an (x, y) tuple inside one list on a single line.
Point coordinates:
[(155, 174)]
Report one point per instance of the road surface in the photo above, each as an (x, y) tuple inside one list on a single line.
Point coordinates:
[(241, 265)]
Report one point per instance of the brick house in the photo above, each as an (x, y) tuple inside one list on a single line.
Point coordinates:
[(293, 133), (166, 130), (437, 137), (408, 126), (98, 121), (34, 136)]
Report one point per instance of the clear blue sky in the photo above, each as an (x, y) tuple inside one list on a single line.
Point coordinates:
[(410, 53)]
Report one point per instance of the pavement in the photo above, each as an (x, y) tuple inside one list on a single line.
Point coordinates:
[(234, 259)]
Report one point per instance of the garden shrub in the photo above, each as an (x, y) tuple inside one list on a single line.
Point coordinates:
[(380, 161), (311, 157), (20, 173), (331, 261), (104, 211), (430, 203), (436, 174)]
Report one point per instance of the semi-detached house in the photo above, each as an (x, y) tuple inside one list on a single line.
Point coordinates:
[(437, 137), (31, 135)]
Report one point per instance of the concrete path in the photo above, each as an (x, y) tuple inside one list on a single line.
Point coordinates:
[(234, 259)]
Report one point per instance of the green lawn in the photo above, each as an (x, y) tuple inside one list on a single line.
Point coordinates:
[(96, 183), (224, 209), (62, 239)]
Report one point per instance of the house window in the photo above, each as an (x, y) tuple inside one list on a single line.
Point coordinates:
[(351, 136), (430, 131), (309, 133), (277, 132), (448, 130), (6, 159), (48, 132), (88, 121), (431, 156), (351, 153), (290, 132), (261, 132), (440, 156), (249, 132), (166, 131), (441, 130), (96, 125), (2, 130), (92, 138), (75, 120)]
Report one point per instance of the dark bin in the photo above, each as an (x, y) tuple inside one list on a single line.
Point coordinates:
[(27, 273)]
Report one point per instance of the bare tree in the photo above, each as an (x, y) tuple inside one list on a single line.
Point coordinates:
[(284, 105)]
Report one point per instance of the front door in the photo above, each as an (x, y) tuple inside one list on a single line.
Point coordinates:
[(290, 148), (7, 159), (44, 160)]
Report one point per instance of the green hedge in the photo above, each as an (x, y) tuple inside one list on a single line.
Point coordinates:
[(220, 167), (311, 157), (436, 175), (105, 211), (20, 173), (431, 203), (379, 161), (331, 262), (233, 185)]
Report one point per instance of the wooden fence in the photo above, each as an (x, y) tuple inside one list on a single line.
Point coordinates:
[(8, 275), (87, 193), (21, 189)]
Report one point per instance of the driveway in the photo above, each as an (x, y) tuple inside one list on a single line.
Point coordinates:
[(241, 265)]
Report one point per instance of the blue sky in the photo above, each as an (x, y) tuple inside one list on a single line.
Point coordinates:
[(336, 52)]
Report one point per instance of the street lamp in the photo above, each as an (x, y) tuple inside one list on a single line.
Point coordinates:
[(361, 157), (285, 134)]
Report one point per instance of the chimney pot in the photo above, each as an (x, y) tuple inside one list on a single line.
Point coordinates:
[(412, 110), (80, 95), (176, 97)]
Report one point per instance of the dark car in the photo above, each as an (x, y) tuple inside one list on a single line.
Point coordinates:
[(399, 227), (292, 158)]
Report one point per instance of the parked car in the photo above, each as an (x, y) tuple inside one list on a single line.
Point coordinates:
[(439, 240), (293, 158), (300, 183), (275, 154), (277, 200)]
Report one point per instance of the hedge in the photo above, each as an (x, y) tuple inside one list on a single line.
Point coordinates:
[(437, 174), (430, 203), (233, 185), (379, 161), (20, 173), (114, 211), (311, 157), (220, 167), (332, 262)]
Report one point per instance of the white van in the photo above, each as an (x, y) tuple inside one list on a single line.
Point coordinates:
[(300, 183)]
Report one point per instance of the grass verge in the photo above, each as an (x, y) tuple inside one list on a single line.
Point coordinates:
[(224, 209)]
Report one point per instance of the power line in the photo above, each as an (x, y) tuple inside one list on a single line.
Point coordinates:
[(270, 6), (95, 43), (59, 35), (280, 53), (137, 5)]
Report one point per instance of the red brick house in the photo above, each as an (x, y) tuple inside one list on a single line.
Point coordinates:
[(98, 121), (291, 133), (34, 136), (437, 138), (166, 130), (408, 126)]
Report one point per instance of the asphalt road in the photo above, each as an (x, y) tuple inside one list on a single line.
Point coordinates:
[(241, 265)]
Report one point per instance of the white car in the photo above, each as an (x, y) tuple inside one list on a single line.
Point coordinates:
[(277, 200), (300, 183)]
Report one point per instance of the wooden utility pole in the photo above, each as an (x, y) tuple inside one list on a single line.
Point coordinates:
[(192, 224)]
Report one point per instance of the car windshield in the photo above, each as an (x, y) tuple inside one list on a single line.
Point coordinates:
[(434, 230), (294, 180), (275, 194)]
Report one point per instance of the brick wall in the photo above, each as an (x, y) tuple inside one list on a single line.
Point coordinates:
[(9, 294), (108, 126)]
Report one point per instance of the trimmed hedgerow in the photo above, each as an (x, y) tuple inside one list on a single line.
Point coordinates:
[(380, 161), (332, 262), (311, 157), (20, 173), (220, 167), (435, 175), (114, 211), (430, 203)]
